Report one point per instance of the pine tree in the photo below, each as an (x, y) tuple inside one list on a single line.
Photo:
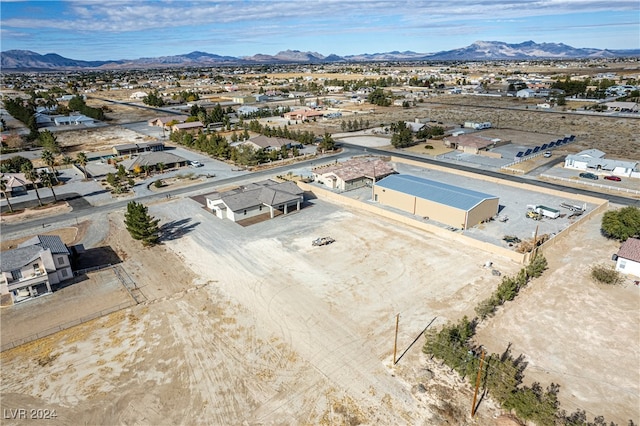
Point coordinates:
[(140, 224)]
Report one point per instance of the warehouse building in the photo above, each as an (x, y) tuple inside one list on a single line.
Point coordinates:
[(450, 205)]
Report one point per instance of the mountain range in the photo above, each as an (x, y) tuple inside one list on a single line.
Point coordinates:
[(24, 60)]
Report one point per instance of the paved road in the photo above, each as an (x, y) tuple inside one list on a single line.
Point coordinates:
[(82, 209), (612, 198)]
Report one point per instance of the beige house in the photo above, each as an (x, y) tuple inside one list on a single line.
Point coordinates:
[(259, 198), (30, 269), (471, 144), (450, 205), (354, 173), (190, 127), (163, 121)]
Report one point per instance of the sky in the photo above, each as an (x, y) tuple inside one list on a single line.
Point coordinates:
[(117, 29)]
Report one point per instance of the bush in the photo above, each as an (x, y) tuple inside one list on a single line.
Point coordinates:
[(621, 224), (428, 147), (605, 275), (158, 183)]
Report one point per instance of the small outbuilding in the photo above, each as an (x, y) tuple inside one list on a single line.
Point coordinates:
[(450, 205)]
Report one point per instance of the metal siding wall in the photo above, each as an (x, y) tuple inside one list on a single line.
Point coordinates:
[(482, 211), (395, 199), (441, 213)]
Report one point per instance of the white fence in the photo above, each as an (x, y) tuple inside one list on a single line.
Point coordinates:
[(595, 185)]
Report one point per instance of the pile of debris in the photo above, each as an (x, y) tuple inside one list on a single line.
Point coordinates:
[(323, 241), (528, 245)]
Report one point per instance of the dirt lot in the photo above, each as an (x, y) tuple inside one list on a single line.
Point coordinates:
[(265, 328), (237, 337), (575, 332)]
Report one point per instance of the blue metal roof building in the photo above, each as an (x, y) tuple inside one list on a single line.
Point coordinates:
[(448, 204)]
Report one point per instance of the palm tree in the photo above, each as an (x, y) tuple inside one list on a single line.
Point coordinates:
[(47, 180), (49, 160), (82, 160), (31, 175), (66, 160), (3, 189), (160, 167)]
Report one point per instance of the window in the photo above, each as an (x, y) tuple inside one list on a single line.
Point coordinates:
[(64, 273), (260, 208), (622, 264), (16, 274), (245, 212), (60, 260)]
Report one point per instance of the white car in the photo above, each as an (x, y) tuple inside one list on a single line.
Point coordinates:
[(195, 164), (547, 154)]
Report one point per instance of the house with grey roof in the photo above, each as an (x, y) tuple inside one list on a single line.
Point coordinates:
[(33, 267), (259, 198), (153, 159), (593, 160), (271, 143)]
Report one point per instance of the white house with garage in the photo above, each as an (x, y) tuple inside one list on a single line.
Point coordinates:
[(266, 197), (30, 269), (594, 160), (628, 257)]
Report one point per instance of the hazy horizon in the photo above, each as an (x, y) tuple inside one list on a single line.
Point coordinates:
[(116, 30)]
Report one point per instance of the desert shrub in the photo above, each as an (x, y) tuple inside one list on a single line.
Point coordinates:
[(537, 266), (428, 147), (158, 183), (622, 223), (605, 274)]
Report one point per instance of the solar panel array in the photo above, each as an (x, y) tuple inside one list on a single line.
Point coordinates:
[(552, 144)]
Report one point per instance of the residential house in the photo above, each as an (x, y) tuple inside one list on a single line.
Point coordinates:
[(628, 257), (353, 173), (163, 121), (303, 114), (259, 198), (34, 266), (470, 144), (190, 127), (594, 160), (136, 148), (17, 183), (271, 144), (153, 159)]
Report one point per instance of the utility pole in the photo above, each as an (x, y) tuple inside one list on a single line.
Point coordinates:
[(395, 343), (475, 394)]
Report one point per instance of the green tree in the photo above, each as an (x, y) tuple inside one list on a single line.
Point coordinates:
[(3, 189), (141, 225), (49, 142), (402, 135), (378, 97), (327, 143), (621, 224), (82, 161), (47, 180), (32, 176), (49, 160), (66, 160)]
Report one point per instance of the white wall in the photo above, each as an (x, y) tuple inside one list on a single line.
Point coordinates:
[(627, 266)]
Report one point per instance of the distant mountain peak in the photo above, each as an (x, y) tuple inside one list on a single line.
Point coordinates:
[(477, 51)]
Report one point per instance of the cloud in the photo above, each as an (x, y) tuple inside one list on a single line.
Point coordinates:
[(117, 16)]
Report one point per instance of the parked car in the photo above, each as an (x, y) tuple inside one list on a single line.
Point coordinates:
[(196, 164), (547, 154), (588, 176), (615, 178)]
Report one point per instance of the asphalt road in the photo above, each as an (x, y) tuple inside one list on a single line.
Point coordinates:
[(82, 209)]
